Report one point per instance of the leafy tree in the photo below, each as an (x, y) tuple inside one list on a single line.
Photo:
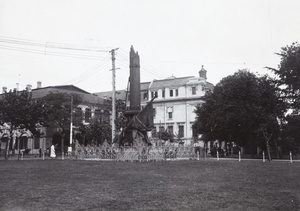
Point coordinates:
[(241, 108), (166, 135), (121, 121), (58, 110), (19, 110), (99, 128), (97, 132), (288, 74), (291, 133)]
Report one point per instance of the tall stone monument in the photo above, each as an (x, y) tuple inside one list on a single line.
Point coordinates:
[(135, 81), (140, 121)]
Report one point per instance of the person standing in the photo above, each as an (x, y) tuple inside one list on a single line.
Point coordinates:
[(69, 151), (52, 152)]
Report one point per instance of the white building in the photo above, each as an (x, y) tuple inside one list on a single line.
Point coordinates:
[(176, 101)]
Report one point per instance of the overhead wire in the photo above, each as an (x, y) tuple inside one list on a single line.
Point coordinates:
[(89, 73), (48, 48), (43, 52), (146, 69), (51, 44)]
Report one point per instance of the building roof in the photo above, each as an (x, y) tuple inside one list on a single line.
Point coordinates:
[(120, 94), (169, 82), (68, 89), (145, 85)]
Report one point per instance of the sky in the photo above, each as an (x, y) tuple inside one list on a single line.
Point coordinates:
[(63, 42)]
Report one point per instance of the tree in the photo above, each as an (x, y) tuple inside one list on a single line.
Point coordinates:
[(238, 110), (121, 121), (166, 135), (291, 133), (288, 75), (58, 112), (97, 132), (19, 110)]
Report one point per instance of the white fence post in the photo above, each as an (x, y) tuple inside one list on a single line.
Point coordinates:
[(291, 157), (264, 160), (240, 156)]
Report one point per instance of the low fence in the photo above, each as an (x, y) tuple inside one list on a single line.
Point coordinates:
[(134, 153)]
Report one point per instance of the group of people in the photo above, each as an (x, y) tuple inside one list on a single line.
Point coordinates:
[(53, 154)]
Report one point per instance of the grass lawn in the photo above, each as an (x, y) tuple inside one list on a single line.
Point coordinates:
[(172, 185)]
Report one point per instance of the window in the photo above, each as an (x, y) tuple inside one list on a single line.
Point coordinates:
[(193, 90), (170, 115), (170, 129), (87, 115), (153, 94), (145, 95), (170, 112), (163, 93), (176, 92), (97, 113), (181, 131), (105, 117), (171, 93)]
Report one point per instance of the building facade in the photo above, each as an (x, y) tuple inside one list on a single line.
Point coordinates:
[(176, 100), (175, 104), (89, 107)]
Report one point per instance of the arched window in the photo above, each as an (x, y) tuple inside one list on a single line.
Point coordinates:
[(87, 115)]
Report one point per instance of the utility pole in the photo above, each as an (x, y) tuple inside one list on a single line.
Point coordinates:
[(113, 128), (71, 125)]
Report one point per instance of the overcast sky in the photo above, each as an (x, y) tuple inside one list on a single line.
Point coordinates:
[(61, 42)]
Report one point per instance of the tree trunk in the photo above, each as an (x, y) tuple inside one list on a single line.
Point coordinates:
[(19, 148), (269, 151), (276, 149), (7, 148)]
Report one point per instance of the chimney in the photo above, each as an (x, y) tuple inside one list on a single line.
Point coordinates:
[(4, 89), (39, 85), (28, 87), (17, 88)]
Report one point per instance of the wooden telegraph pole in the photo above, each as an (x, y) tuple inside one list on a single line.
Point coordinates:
[(113, 128), (71, 125)]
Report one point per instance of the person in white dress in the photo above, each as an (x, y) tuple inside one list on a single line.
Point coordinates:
[(69, 151), (52, 152)]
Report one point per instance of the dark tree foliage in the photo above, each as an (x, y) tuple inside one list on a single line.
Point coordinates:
[(241, 109), (58, 110), (97, 132), (165, 135), (120, 121), (288, 74), (100, 130), (290, 134), (18, 109)]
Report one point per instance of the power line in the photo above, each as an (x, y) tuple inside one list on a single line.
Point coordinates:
[(43, 52), (89, 73), (49, 48), (50, 45)]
